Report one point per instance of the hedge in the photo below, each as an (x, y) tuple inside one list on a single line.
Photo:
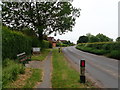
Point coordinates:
[(14, 42), (108, 49)]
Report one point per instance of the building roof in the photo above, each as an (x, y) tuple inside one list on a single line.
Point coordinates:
[(51, 39)]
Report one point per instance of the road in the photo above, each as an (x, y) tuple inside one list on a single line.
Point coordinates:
[(102, 70)]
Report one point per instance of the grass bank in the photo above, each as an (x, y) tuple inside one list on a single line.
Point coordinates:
[(63, 75), (41, 56)]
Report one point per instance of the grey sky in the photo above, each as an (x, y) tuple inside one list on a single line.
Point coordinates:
[(97, 16)]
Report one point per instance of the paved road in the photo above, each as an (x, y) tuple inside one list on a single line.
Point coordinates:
[(103, 70)]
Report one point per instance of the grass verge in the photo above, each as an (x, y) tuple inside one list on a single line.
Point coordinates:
[(63, 75), (41, 56), (34, 78)]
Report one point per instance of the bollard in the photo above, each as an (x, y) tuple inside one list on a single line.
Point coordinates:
[(82, 71), (59, 50)]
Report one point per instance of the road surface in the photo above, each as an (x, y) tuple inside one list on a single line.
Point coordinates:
[(102, 70)]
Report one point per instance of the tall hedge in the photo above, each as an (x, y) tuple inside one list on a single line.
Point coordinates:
[(14, 43)]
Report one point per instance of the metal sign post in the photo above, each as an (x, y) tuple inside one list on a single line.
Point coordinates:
[(82, 71)]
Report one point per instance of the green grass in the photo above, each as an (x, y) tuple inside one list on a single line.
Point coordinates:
[(10, 71), (41, 56), (27, 80), (34, 78), (63, 75)]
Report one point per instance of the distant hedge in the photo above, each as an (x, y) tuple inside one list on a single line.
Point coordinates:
[(108, 49), (14, 43)]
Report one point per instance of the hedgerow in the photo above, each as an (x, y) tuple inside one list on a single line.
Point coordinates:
[(14, 42), (108, 49)]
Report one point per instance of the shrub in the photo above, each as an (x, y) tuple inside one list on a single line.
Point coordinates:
[(14, 42), (10, 71)]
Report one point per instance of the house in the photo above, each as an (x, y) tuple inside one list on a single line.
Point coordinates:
[(52, 41), (61, 40)]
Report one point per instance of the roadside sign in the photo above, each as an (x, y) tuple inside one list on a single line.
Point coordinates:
[(36, 50)]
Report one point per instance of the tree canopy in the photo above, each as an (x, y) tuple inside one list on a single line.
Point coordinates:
[(43, 17), (82, 39), (91, 38), (118, 39)]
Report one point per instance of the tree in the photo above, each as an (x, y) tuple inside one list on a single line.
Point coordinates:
[(82, 39), (118, 39), (103, 38), (93, 39), (43, 17)]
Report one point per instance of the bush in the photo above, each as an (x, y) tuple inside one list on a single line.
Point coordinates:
[(10, 71), (14, 42)]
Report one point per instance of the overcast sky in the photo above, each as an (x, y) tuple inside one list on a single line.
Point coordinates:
[(97, 16)]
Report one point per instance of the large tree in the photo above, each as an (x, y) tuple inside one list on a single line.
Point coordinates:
[(103, 38), (43, 17)]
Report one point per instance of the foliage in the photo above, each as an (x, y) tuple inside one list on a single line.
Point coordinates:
[(114, 54), (43, 17), (29, 32), (64, 44), (103, 38), (118, 39), (50, 45), (14, 43), (108, 49), (45, 44), (91, 38), (10, 71), (82, 39), (36, 42)]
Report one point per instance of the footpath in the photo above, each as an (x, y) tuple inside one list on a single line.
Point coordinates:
[(46, 66)]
